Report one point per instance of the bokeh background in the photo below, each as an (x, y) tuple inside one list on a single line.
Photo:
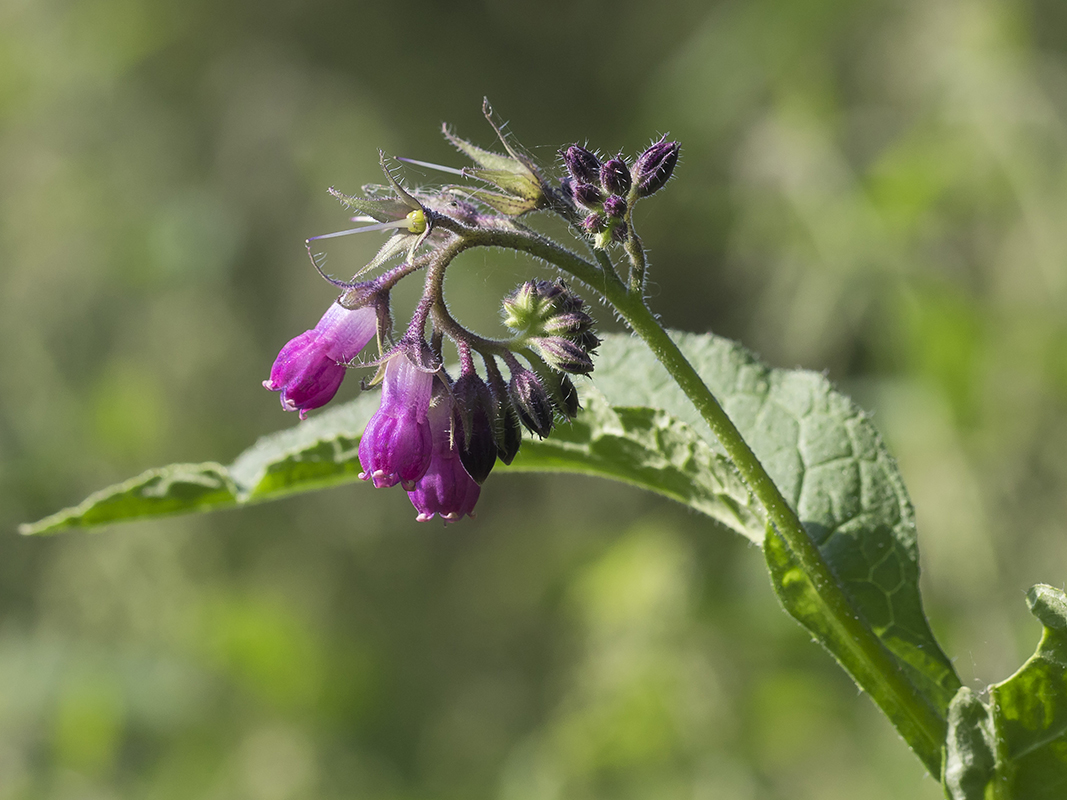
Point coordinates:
[(877, 189)]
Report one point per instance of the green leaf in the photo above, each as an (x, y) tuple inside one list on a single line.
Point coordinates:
[(830, 463), (643, 447), (1016, 745), (639, 427), (177, 489)]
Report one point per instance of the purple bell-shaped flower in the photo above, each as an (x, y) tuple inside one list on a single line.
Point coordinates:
[(397, 445), (309, 369), (446, 488)]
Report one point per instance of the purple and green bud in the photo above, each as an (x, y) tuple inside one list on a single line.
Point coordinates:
[(654, 167), (588, 196), (558, 387), (563, 354), (615, 176), (574, 325), (530, 400), (615, 206), (594, 223), (397, 444), (543, 308), (583, 166), (309, 369)]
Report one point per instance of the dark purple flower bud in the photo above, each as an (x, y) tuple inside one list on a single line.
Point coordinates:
[(397, 444), (655, 166), (615, 206), (531, 401), (615, 176), (507, 431), (594, 223), (445, 488), (568, 398), (559, 388), (310, 368), (583, 165), (587, 195), (588, 341), (474, 412), (564, 355)]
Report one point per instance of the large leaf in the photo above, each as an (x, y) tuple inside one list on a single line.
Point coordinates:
[(644, 447), (830, 463), (638, 427), (1016, 745)]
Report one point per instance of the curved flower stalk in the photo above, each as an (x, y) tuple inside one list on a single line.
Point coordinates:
[(437, 438)]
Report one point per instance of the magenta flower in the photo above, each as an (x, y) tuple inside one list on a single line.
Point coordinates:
[(397, 444), (446, 488), (309, 369)]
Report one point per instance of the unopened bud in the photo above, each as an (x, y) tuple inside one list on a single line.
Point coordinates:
[(655, 166), (615, 206), (531, 401), (615, 177), (594, 223), (569, 404), (570, 324), (587, 195), (507, 432), (474, 409), (559, 388), (564, 355), (583, 165)]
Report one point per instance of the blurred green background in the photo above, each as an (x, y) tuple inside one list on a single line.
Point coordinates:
[(875, 189)]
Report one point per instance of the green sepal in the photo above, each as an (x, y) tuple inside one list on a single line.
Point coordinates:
[(517, 184), (385, 210), (484, 158), (506, 204)]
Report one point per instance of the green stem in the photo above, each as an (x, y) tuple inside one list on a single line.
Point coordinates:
[(870, 663), (874, 668)]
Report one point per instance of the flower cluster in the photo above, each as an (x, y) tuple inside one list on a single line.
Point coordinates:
[(436, 436), (607, 191)]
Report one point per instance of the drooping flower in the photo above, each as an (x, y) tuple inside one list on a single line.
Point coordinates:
[(446, 489), (310, 368), (397, 443), (475, 412)]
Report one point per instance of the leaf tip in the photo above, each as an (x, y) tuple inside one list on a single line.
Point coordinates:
[(1049, 605)]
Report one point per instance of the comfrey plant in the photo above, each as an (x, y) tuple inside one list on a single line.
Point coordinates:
[(436, 436), (778, 456)]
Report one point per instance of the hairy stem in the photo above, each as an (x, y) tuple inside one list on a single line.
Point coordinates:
[(872, 666)]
